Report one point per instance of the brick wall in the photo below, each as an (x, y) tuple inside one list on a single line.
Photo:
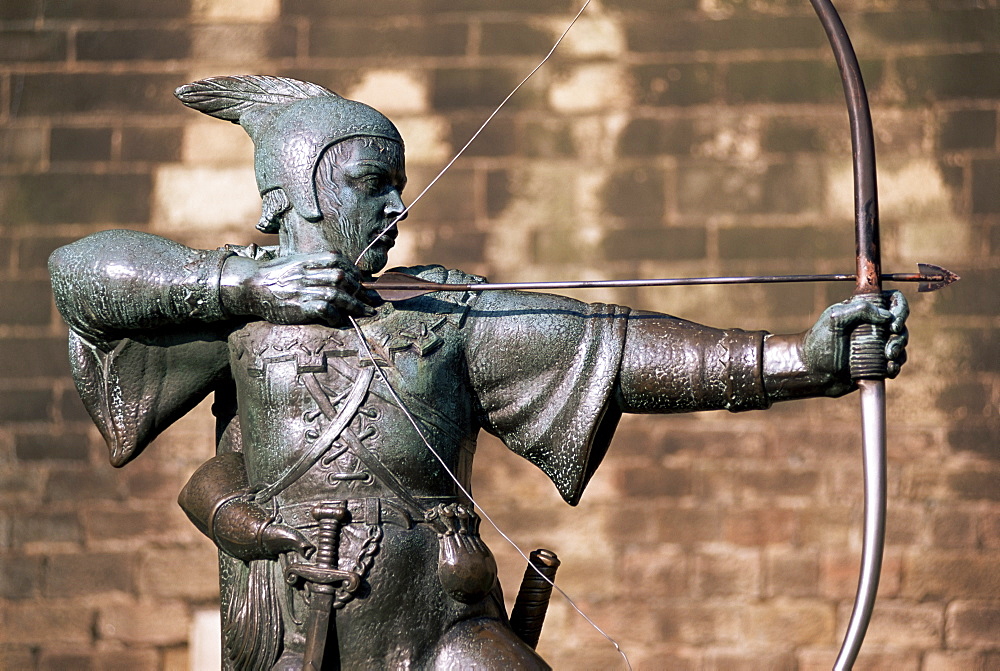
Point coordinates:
[(666, 137)]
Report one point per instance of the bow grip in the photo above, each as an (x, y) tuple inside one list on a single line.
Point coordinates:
[(868, 360)]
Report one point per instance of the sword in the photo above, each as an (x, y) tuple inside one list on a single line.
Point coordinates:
[(329, 587)]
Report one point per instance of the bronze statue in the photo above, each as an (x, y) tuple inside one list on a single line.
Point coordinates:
[(341, 417)]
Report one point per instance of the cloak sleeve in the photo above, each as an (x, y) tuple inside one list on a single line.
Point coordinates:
[(545, 370), (143, 351)]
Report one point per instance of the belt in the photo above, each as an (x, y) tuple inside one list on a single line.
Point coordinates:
[(369, 511)]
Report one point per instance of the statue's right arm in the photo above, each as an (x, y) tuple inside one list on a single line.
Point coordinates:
[(147, 330)]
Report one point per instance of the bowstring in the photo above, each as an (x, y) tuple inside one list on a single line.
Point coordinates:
[(482, 511), (409, 416), (461, 151)]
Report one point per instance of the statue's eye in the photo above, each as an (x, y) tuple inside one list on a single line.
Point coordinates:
[(373, 183)]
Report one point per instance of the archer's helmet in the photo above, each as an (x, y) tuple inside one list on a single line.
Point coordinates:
[(290, 122)]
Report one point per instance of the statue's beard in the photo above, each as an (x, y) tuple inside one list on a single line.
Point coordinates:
[(357, 236)]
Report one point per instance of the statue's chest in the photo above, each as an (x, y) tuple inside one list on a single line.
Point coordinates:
[(293, 382)]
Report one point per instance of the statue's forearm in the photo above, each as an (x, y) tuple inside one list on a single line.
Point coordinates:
[(117, 282), (671, 365), (786, 373)]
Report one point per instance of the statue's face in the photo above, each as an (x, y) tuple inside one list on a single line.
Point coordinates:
[(359, 185)]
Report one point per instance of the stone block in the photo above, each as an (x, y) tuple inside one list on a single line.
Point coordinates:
[(948, 76), (985, 193), (498, 192), (337, 39), (787, 81), (669, 34), (241, 42), (64, 447), (461, 88), (972, 624), (29, 405), (728, 572), (791, 572), (23, 145), (514, 38), (456, 246), (134, 44), (155, 623), (794, 623), (118, 523), (901, 624), (954, 529), (17, 656), (20, 11), (45, 527), (780, 242), (673, 243), (936, 575), (973, 485), (152, 143), (70, 407), (652, 137), (748, 660), (869, 659), (33, 253), (951, 660), (60, 93), (968, 129), (791, 135), (760, 526), (20, 577), (942, 25), (78, 575), (77, 198), (32, 45), (97, 482), (191, 574), (656, 7), (33, 623), (116, 9), (675, 85), (689, 526), (497, 139), (80, 144), (653, 482), (636, 192), (387, 8)]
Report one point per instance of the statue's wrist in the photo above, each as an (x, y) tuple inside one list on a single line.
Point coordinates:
[(787, 373), (237, 272)]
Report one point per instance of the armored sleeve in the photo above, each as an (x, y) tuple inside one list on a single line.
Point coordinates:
[(115, 283), (142, 347), (672, 365)]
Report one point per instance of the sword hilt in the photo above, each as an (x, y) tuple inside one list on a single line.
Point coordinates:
[(323, 574)]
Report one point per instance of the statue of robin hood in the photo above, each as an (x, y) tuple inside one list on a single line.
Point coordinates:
[(332, 406)]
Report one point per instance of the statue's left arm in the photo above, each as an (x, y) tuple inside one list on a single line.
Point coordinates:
[(670, 365), (553, 375)]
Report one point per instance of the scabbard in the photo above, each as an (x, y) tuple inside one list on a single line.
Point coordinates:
[(528, 614)]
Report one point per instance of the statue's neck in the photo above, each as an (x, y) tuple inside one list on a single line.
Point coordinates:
[(303, 238)]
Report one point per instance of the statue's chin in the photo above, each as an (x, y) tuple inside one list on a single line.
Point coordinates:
[(374, 260)]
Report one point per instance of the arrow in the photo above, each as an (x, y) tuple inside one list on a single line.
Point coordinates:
[(393, 286)]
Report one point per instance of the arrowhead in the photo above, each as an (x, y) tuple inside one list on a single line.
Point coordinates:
[(937, 277)]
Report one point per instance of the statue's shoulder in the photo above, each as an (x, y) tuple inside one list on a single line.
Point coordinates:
[(252, 251), (453, 305), (436, 273)]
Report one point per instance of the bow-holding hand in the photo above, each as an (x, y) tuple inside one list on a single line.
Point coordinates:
[(816, 362)]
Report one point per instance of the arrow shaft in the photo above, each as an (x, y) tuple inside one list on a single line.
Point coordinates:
[(420, 285)]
